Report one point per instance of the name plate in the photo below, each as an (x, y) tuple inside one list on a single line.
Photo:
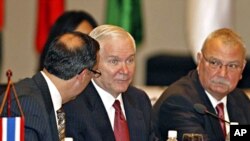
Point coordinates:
[(239, 132)]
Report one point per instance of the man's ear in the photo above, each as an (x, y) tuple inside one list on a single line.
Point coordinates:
[(82, 74), (198, 57)]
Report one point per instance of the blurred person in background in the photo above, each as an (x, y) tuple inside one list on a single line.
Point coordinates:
[(69, 21)]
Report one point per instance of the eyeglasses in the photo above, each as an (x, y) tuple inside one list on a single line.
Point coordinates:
[(96, 73), (217, 64)]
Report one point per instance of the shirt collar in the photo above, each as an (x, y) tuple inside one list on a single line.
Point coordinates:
[(215, 101), (54, 93), (107, 98)]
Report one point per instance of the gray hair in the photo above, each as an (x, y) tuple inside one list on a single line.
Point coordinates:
[(110, 31)]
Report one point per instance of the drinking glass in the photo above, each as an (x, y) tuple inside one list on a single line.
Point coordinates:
[(192, 137)]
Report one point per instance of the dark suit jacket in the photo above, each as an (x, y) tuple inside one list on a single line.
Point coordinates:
[(36, 103), (174, 109), (87, 119)]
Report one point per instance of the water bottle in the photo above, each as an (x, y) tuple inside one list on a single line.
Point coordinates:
[(228, 135), (172, 135)]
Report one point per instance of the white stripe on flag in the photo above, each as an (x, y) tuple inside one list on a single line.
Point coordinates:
[(17, 129), (4, 121)]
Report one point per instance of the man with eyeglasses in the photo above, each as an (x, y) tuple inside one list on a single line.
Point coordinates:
[(219, 69), (42, 96)]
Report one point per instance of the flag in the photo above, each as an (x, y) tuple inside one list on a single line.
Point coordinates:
[(12, 129), (48, 12), (126, 14), (1, 32), (205, 16), (1, 14)]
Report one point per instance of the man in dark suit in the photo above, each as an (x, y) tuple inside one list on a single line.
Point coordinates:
[(91, 116), (67, 71), (220, 66)]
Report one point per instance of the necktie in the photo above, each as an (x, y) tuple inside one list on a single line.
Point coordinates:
[(61, 124), (220, 111), (120, 125)]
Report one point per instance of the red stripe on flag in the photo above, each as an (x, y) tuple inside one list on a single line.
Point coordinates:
[(1, 14), (1, 130), (48, 12), (22, 129)]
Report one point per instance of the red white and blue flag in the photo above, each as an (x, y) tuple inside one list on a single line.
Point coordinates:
[(11, 129)]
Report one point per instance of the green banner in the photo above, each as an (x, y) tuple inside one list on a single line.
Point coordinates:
[(126, 14)]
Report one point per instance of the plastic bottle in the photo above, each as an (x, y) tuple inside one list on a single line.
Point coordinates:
[(228, 135), (172, 135)]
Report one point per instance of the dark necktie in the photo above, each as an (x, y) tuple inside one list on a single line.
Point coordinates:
[(61, 124), (120, 125), (220, 111)]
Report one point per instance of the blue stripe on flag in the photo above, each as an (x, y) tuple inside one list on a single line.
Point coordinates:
[(11, 123)]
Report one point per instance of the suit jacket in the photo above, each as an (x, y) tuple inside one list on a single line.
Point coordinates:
[(36, 103), (174, 110), (87, 119)]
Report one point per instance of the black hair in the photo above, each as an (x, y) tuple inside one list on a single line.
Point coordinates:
[(66, 58), (67, 22)]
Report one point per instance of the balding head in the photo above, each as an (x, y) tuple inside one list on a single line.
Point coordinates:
[(227, 37), (71, 41), (70, 53)]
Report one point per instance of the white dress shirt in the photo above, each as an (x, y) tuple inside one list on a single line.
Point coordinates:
[(224, 101), (108, 101), (55, 95)]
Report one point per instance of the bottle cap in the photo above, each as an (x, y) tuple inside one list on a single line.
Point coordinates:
[(234, 123), (172, 133)]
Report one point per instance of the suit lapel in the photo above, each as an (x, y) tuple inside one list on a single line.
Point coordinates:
[(42, 85), (209, 120), (99, 114), (214, 122), (235, 113), (134, 117)]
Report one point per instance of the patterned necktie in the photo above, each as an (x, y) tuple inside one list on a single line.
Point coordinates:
[(120, 125), (220, 111), (61, 124)]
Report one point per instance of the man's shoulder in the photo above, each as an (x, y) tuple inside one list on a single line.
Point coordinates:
[(135, 91), (29, 92), (137, 95), (238, 95), (182, 88), (26, 86)]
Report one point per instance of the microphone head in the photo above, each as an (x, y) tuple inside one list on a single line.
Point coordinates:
[(200, 108)]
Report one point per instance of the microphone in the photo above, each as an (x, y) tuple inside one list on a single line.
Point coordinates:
[(203, 110)]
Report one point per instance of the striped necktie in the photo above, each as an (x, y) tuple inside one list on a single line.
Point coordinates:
[(61, 124)]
